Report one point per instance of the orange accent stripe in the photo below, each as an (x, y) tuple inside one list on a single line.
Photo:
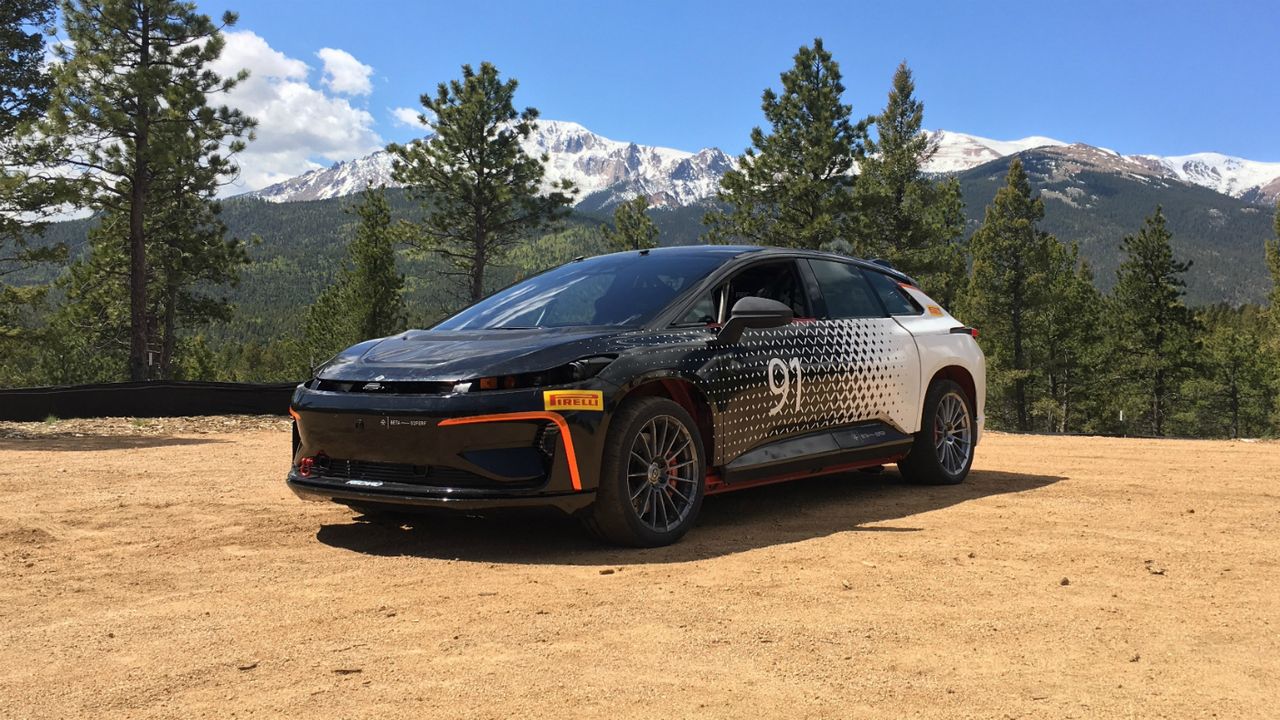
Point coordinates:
[(556, 418), (296, 416)]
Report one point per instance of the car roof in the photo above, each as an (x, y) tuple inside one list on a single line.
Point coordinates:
[(697, 250), (733, 251)]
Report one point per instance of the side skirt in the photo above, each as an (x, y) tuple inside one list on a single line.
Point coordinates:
[(716, 484), (849, 448)]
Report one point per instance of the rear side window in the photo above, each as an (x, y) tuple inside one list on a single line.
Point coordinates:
[(845, 291), (895, 300)]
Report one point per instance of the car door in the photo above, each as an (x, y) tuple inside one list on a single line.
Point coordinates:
[(758, 384), (865, 366)]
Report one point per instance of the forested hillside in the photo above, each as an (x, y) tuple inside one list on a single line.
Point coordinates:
[(1115, 293), (1222, 236), (296, 247)]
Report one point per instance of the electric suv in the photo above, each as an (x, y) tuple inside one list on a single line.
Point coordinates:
[(625, 388)]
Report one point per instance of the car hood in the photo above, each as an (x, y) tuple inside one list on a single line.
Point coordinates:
[(436, 356)]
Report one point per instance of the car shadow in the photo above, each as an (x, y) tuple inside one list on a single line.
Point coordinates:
[(729, 523), (87, 443)]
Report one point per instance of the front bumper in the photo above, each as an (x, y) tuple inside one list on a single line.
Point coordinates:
[(322, 490), (465, 451)]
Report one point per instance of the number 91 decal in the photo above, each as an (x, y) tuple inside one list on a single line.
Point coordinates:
[(783, 375)]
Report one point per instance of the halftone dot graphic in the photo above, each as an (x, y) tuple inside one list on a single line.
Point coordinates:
[(850, 371)]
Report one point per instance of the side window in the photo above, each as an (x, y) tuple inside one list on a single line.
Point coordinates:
[(894, 299), (776, 281), (706, 310), (844, 289)]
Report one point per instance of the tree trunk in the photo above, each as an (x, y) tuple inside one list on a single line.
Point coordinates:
[(1235, 411), (137, 215), (1157, 404), (477, 267), (1019, 362), (170, 342), (1060, 391)]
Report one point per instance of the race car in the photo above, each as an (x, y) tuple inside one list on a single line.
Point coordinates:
[(623, 389)]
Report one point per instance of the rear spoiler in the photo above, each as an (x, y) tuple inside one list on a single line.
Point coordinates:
[(887, 268)]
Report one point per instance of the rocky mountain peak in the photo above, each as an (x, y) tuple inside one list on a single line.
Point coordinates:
[(608, 171)]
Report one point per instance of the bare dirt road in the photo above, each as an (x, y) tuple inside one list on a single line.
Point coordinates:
[(153, 575)]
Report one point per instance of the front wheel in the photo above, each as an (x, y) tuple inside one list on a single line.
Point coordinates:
[(943, 449), (652, 477)]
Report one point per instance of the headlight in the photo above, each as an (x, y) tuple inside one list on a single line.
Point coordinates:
[(576, 371), (587, 368)]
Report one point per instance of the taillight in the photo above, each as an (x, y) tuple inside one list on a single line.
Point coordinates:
[(971, 332)]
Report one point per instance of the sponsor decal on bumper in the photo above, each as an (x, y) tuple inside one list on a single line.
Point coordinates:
[(573, 400)]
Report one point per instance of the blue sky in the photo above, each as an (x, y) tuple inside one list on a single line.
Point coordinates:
[(1138, 77)]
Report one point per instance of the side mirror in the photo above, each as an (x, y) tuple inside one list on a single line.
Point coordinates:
[(753, 312)]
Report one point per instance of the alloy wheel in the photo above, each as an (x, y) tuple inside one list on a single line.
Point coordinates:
[(953, 433), (661, 473)]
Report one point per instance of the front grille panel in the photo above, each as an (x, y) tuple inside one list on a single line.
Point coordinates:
[(383, 388), (385, 472), (431, 476)]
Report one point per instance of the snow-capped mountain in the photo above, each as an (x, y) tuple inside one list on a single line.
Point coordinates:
[(608, 171), (957, 152), (595, 164), (340, 179), (1237, 177), (1254, 181)]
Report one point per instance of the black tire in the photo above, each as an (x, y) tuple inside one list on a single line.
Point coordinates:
[(943, 449), (649, 502)]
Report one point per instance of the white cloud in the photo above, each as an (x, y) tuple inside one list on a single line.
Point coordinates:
[(407, 117), (344, 74), (300, 126)]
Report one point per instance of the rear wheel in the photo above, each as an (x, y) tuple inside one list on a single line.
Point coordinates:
[(943, 449), (652, 476)]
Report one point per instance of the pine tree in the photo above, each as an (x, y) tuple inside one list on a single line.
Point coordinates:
[(1272, 250), (327, 327), (129, 109), (1155, 332), (24, 93), (1228, 397), (632, 227), (480, 191), (24, 82), (793, 186), (1070, 335), (911, 220), (378, 290), (1007, 293), (367, 300), (189, 260), (89, 334)]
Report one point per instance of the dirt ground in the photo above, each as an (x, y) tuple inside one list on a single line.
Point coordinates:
[(146, 574)]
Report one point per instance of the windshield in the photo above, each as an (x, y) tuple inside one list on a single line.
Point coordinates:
[(618, 290)]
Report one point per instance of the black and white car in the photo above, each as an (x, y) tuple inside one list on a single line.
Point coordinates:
[(624, 388)]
